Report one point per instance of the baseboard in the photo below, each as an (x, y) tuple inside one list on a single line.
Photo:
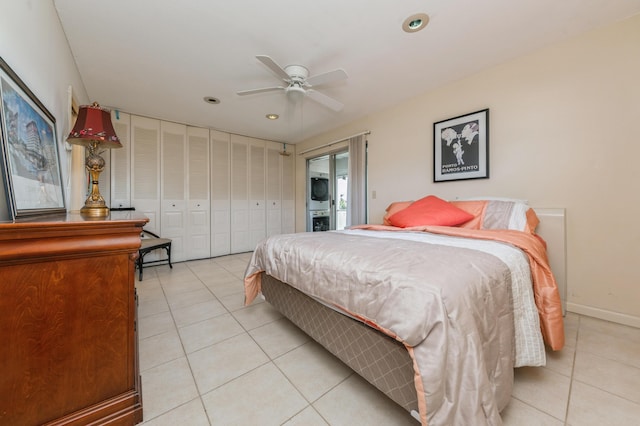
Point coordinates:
[(603, 314)]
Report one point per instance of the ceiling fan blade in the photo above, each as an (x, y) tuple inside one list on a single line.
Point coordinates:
[(325, 100), (327, 77), (273, 66), (262, 90)]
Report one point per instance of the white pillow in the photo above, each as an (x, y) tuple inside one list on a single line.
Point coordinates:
[(513, 200)]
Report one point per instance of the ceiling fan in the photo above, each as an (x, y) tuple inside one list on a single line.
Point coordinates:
[(299, 83)]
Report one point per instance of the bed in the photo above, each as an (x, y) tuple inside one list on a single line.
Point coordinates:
[(434, 307)]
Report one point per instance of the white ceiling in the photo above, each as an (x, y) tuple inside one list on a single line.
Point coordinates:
[(159, 58)]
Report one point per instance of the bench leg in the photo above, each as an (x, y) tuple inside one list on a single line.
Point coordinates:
[(169, 256), (141, 254), (140, 259)]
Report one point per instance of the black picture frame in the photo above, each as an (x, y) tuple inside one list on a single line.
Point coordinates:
[(461, 147), (29, 150)]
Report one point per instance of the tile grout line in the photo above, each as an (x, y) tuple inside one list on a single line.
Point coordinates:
[(184, 351), (573, 368), (272, 362), (200, 394), (166, 299)]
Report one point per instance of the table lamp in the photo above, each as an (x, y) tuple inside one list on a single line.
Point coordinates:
[(94, 130)]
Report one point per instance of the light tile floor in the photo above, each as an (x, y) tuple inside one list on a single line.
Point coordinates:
[(207, 360)]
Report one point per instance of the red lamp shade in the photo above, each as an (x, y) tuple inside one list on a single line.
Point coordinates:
[(94, 130), (94, 125)]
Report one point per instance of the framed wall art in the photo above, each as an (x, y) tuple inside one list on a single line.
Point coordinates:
[(461, 147), (30, 159)]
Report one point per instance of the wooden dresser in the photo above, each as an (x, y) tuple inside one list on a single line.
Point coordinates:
[(68, 339)]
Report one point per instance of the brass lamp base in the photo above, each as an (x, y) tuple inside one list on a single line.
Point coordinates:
[(95, 211), (94, 206)]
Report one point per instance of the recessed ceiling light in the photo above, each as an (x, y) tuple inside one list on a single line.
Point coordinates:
[(211, 100), (415, 22), (272, 116)]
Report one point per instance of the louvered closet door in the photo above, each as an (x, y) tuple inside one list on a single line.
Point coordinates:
[(220, 193), (274, 189), (240, 241), (257, 192), (198, 211), (121, 162), (173, 187), (104, 181), (288, 193), (145, 169)]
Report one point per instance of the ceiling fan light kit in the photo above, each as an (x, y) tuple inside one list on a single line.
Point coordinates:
[(295, 91), (299, 83)]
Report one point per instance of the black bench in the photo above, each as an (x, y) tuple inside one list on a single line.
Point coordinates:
[(151, 242)]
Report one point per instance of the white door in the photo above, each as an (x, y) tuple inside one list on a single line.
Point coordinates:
[(288, 192), (173, 187), (257, 193), (274, 189), (240, 239), (145, 169), (220, 193), (198, 210), (121, 162)]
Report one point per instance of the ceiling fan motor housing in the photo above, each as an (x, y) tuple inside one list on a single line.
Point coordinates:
[(298, 73), (297, 84)]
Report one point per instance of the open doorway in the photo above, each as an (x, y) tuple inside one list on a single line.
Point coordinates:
[(341, 179), (327, 191)]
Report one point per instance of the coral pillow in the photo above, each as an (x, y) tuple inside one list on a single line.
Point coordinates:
[(394, 208), (430, 210)]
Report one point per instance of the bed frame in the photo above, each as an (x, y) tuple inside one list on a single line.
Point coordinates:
[(379, 359), (552, 230), (366, 350)]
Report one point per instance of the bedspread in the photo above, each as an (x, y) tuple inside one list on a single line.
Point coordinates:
[(545, 288), (450, 306)]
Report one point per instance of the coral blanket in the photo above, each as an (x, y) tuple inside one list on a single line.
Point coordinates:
[(545, 289)]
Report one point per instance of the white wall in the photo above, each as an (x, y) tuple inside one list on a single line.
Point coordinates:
[(562, 134), (33, 44)]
